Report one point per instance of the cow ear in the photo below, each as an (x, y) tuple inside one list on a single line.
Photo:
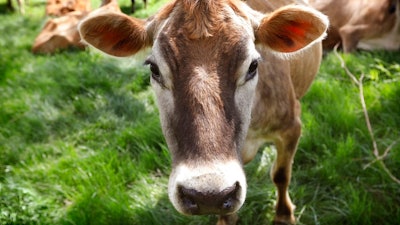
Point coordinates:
[(114, 33), (291, 28)]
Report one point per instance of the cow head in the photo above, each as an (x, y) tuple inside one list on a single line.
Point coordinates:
[(204, 73), (383, 21)]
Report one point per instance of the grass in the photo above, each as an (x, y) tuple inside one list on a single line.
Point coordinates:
[(80, 140), (336, 144)]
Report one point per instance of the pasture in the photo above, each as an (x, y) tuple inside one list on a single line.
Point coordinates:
[(81, 143)]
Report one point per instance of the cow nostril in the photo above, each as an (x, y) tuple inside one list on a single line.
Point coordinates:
[(230, 196), (209, 202), (228, 204), (188, 199), (189, 204)]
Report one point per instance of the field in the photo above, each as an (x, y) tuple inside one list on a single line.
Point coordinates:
[(81, 143)]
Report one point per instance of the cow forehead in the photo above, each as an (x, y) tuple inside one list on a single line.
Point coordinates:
[(204, 18), (219, 41), (216, 53)]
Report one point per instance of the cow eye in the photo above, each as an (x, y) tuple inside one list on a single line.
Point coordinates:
[(251, 73), (155, 72), (392, 8)]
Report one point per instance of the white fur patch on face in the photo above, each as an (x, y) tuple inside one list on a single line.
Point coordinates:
[(245, 91), (207, 178), (164, 95)]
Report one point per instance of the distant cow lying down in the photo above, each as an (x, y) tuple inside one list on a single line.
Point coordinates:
[(59, 33), (62, 33), (363, 24), (62, 7)]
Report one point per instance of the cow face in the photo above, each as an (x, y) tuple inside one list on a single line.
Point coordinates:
[(204, 73), (385, 26)]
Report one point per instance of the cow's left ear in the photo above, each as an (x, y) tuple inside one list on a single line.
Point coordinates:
[(291, 28)]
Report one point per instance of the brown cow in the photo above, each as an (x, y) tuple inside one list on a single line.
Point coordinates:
[(63, 7), (62, 33), (223, 88), (372, 24), (59, 33)]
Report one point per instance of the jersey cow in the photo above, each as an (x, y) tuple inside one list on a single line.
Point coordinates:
[(62, 32), (63, 7), (223, 88), (369, 25)]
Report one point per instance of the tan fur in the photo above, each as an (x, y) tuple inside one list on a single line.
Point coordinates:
[(61, 33), (63, 7), (304, 65), (357, 21), (265, 6), (279, 33), (202, 18)]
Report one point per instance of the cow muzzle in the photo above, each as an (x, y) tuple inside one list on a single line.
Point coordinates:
[(214, 189)]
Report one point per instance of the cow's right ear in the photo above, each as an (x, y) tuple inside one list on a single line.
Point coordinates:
[(115, 33)]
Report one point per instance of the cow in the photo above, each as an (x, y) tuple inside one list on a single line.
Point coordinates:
[(59, 33), (62, 33), (360, 24), (62, 7), (227, 78)]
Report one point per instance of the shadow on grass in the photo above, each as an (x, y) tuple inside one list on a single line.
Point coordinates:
[(5, 8)]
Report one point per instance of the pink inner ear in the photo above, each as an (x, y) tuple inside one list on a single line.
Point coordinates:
[(299, 29), (290, 29), (292, 37)]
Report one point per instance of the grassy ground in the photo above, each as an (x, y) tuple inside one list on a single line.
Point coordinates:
[(80, 140)]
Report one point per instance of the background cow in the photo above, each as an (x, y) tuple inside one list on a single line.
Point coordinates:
[(62, 32), (63, 7), (372, 24), (222, 91)]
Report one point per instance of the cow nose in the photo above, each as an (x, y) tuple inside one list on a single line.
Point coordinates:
[(197, 202)]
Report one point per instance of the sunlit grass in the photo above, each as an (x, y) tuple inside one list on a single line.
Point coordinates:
[(81, 143)]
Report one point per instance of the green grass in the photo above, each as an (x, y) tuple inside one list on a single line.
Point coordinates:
[(336, 144), (81, 143)]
